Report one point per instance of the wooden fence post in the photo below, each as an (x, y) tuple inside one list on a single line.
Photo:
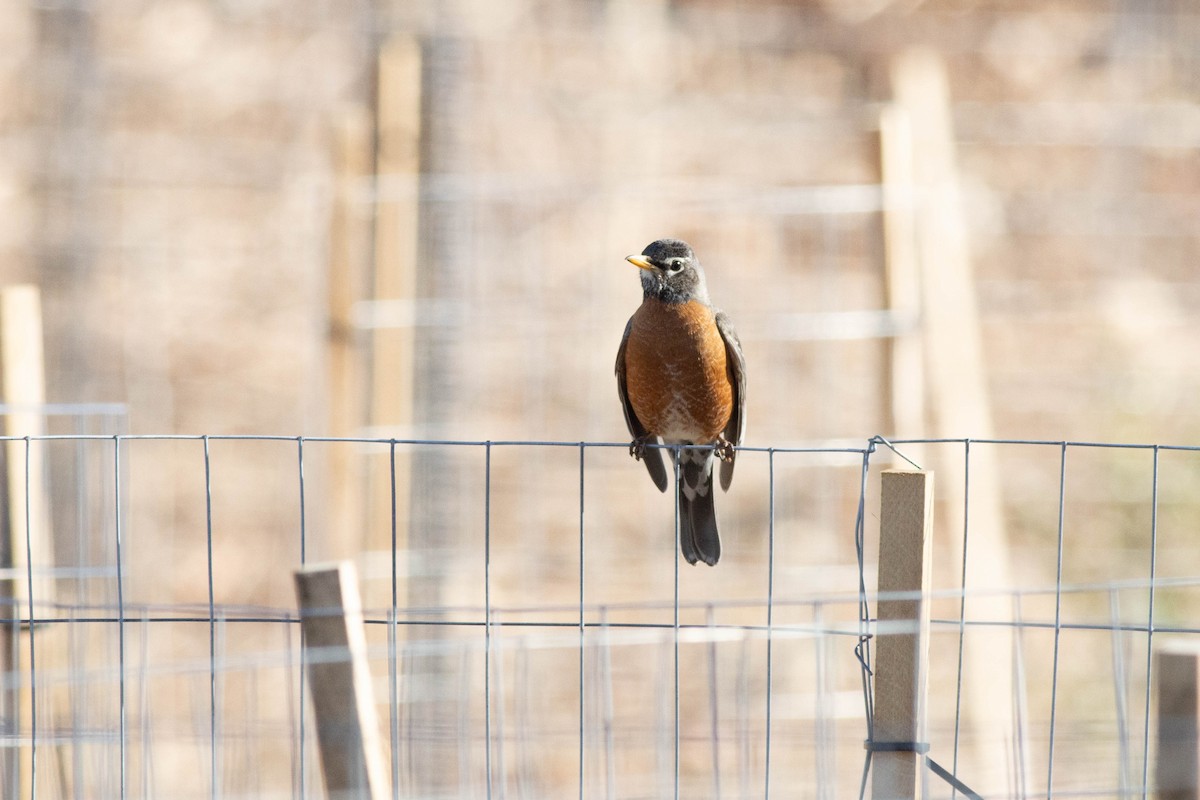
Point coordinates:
[(1177, 672), (23, 388), (394, 289), (902, 643), (27, 519), (921, 143), (349, 238), (335, 650), (904, 375)]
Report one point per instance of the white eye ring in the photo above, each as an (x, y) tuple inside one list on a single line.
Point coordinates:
[(676, 265)]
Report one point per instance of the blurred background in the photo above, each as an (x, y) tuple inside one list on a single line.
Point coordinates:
[(407, 221), (170, 172)]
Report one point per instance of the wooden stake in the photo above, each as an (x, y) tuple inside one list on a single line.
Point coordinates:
[(335, 650), (905, 375), (348, 258), (955, 372), (1177, 673), (902, 645), (950, 313), (398, 168), (23, 386)]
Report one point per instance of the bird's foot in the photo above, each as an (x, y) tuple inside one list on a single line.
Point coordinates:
[(637, 448), (724, 449)]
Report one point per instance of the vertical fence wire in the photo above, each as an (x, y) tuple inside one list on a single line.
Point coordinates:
[(33, 726), (393, 703), (710, 621), (394, 632), (303, 554), (962, 607), (582, 619), (862, 650), (1058, 587), (742, 679), (499, 721), (675, 551), (1019, 707), (295, 700), (1150, 625), (301, 734), (395, 533), (1119, 699), (147, 733), (119, 555), (610, 767), (770, 613), (212, 625), (487, 615), (824, 778)]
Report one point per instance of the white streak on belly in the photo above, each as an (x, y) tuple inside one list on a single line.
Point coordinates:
[(679, 426)]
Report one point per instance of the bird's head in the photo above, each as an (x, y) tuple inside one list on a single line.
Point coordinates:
[(671, 272)]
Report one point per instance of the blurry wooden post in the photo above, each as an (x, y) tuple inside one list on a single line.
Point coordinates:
[(956, 381), (631, 150), (1177, 673), (23, 388), (902, 643), (335, 648), (348, 241), (905, 371), (393, 317)]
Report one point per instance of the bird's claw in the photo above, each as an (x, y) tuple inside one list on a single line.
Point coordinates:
[(637, 448), (724, 449)]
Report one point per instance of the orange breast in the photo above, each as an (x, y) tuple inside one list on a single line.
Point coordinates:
[(675, 372)]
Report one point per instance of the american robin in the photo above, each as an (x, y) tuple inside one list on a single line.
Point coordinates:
[(681, 377)]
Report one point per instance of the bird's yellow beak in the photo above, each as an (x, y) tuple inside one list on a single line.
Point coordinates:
[(639, 261)]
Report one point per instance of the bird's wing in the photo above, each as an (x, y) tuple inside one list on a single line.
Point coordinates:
[(735, 364), (652, 457)]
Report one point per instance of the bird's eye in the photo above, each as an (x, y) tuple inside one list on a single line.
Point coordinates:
[(676, 265)]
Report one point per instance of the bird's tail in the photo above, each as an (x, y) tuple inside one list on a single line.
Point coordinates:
[(698, 537)]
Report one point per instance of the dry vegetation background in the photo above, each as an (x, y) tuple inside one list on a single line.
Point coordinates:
[(167, 178)]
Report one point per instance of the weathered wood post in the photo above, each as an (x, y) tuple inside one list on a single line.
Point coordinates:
[(920, 141), (1177, 672), (23, 389), (902, 643), (335, 651), (349, 239), (25, 496), (393, 319)]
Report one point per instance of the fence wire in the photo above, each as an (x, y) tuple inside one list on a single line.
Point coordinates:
[(697, 687)]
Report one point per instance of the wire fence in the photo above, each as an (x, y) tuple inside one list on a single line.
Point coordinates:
[(516, 659)]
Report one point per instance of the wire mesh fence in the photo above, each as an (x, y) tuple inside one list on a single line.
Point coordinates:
[(564, 649)]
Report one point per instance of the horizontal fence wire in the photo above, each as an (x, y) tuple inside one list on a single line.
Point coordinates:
[(513, 632)]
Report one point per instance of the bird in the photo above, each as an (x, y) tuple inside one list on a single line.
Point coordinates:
[(681, 378)]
